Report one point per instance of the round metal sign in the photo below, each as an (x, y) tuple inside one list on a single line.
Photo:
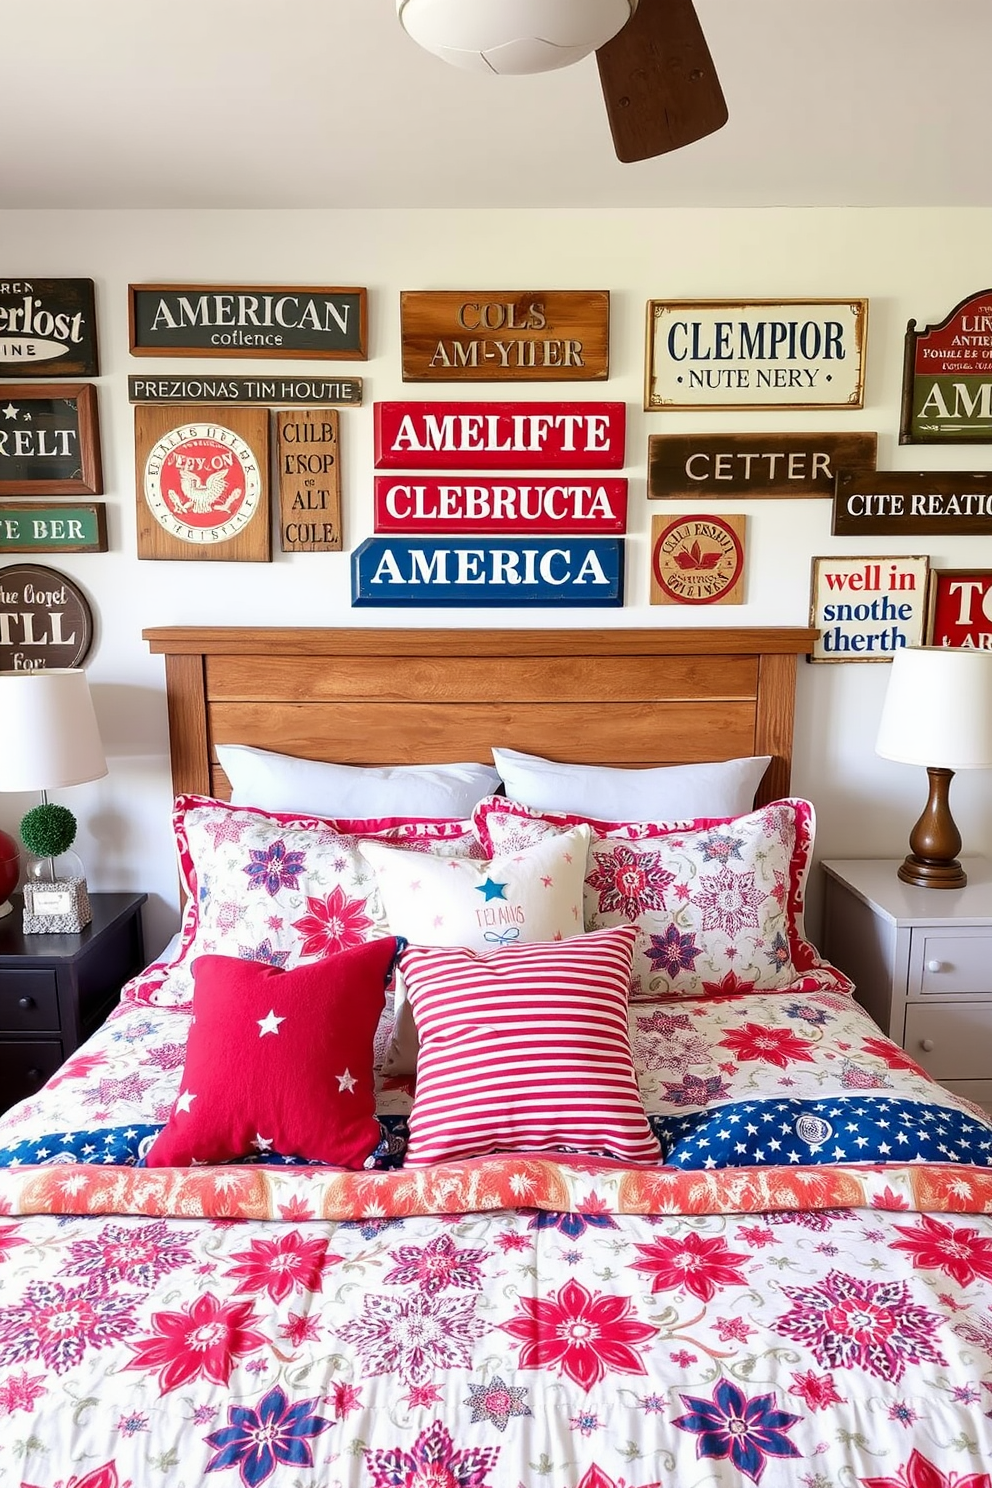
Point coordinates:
[(45, 619)]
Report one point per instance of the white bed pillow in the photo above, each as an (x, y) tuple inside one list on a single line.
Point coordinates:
[(723, 788), (281, 782)]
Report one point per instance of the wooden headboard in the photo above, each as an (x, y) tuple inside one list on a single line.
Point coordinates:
[(368, 697)]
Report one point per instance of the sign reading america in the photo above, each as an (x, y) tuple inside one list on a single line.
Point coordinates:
[(577, 572), (500, 436)]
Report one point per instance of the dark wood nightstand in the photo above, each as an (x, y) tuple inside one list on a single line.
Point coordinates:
[(56, 989)]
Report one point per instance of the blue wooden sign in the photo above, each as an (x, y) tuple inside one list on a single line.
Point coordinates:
[(580, 572)]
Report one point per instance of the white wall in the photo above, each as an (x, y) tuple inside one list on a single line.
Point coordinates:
[(911, 264)]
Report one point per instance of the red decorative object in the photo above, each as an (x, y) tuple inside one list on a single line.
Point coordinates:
[(10, 870), (467, 504), (499, 436)]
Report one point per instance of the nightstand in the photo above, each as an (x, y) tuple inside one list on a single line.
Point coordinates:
[(56, 989), (921, 961)]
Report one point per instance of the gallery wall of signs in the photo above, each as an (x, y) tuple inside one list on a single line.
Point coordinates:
[(522, 500)]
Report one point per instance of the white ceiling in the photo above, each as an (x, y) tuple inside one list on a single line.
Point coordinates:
[(326, 103)]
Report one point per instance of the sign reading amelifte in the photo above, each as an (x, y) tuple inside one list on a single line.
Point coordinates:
[(500, 436), (755, 353), (576, 572), (464, 503), (47, 328), (897, 501), (246, 320), (754, 465), (541, 335), (261, 390), (947, 377), (866, 609), (26, 527)]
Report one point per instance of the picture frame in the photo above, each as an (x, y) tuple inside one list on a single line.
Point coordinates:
[(959, 608), (867, 608), (50, 440)]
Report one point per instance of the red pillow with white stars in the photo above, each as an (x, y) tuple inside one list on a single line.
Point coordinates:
[(280, 1061)]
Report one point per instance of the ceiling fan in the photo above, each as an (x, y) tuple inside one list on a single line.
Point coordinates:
[(658, 79)]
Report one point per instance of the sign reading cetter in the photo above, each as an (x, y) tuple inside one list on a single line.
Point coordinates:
[(559, 335), (465, 503), (894, 502), (500, 436), (754, 465)]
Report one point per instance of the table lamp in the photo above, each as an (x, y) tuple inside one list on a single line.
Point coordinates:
[(937, 713), (49, 739)]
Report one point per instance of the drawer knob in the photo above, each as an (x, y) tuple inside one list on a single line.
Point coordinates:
[(25, 1003), (935, 966), (926, 1045)]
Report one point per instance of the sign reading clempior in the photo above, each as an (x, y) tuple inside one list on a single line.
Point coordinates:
[(302, 321), (894, 502), (500, 436), (575, 572)]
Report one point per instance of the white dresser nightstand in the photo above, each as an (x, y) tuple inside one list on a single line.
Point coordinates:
[(921, 961)]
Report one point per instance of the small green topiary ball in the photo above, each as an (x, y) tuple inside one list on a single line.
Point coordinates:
[(48, 830)]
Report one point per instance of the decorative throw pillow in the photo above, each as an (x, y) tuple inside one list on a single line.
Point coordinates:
[(525, 1050), (719, 904), (720, 788), (280, 1061), (276, 888)]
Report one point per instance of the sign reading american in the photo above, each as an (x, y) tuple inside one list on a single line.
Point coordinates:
[(247, 321), (468, 503), (500, 436)]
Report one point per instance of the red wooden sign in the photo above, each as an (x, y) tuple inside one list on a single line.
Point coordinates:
[(466, 504), (959, 602), (500, 436)]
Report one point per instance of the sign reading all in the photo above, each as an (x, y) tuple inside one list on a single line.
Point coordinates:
[(258, 390), (246, 321), (753, 465), (45, 619), (500, 436), (959, 606), (895, 501), (465, 502), (576, 572), (755, 354), (553, 335), (26, 527), (947, 377), (866, 609), (47, 328)]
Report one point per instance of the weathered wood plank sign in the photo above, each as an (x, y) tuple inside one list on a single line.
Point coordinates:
[(45, 619), (705, 466), (202, 478), (540, 335), (267, 320), (48, 328), (898, 501), (866, 609), (697, 560), (49, 440), (267, 391), (575, 572), (26, 527), (500, 436), (755, 353), (947, 377), (464, 502), (959, 608), (307, 451)]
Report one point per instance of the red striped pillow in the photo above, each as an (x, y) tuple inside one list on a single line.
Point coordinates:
[(525, 1050)]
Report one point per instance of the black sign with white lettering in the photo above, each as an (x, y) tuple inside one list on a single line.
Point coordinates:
[(892, 502), (49, 440), (262, 391), (47, 328), (45, 619), (246, 320)]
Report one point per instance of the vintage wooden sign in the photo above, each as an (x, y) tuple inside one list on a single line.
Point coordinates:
[(45, 619), (753, 465), (463, 503), (307, 452), (48, 328), (26, 527), (866, 609), (49, 440), (499, 436), (947, 377), (575, 572), (202, 483), (498, 335), (697, 560), (265, 391), (959, 608), (238, 320), (755, 353), (898, 502)]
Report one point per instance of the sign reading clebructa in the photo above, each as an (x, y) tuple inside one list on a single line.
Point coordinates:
[(472, 503)]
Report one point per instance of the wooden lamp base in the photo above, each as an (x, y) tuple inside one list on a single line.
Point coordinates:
[(935, 841)]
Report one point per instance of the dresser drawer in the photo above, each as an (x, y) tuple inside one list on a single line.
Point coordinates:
[(28, 1001), (25, 1065), (950, 962), (952, 1040)]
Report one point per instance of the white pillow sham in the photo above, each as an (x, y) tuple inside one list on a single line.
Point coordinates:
[(665, 792), (281, 782)]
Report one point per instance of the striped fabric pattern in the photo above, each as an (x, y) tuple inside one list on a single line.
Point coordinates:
[(525, 1049)]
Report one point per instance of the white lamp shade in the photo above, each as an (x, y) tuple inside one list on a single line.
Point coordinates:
[(48, 731), (938, 708)]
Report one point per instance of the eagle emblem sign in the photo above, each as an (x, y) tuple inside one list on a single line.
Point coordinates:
[(202, 483)]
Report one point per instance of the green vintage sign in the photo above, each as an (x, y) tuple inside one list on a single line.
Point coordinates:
[(947, 377), (27, 527)]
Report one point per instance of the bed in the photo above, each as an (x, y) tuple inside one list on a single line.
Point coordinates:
[(772, 1264)]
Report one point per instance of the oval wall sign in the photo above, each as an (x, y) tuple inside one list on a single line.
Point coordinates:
[(45, 619)]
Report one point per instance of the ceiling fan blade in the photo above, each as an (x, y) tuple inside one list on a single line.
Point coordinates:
[(659, 82)]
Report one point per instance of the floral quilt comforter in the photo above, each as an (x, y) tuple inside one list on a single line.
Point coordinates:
[(798, 1292)]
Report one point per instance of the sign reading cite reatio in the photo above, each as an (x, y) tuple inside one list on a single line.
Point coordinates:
[(892, 502), (247, 320)]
